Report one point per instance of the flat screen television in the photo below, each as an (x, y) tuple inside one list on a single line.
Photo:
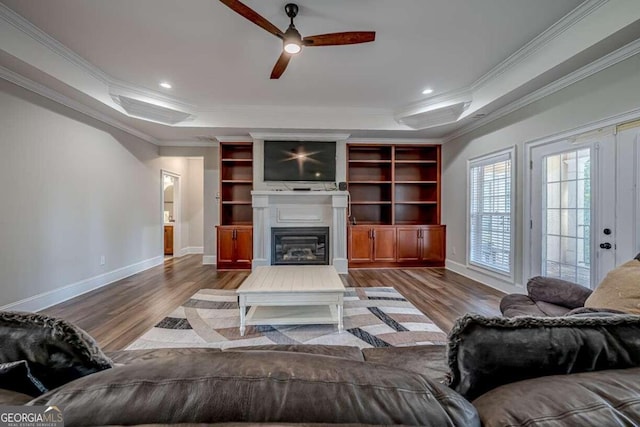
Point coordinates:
[(300, 161)]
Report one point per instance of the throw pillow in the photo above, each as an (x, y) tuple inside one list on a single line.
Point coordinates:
[(486, 352), (56, 351), (620, 289), (16, 376)]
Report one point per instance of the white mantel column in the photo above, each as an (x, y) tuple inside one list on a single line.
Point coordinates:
[(339, 204), (261, 240)]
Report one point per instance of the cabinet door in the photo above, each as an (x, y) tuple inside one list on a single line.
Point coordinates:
[(408, 246), (384, 244), (359, 244), (168, 240), (433, 243), (226, 245), (244, 246)]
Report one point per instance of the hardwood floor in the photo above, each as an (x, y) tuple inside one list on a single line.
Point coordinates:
[(119, 313)]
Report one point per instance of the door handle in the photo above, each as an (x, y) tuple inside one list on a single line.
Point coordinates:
[(373, 234), (235, 234), (605, 245)]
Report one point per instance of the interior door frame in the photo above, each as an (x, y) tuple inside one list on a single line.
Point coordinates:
[(177, 213), (528, 158)]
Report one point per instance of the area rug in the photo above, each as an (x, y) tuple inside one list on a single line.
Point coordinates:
[(373, 317)]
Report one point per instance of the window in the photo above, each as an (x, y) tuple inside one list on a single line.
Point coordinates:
[(491, 212)]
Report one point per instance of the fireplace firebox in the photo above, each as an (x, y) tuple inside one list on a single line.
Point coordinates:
[(299, 245)]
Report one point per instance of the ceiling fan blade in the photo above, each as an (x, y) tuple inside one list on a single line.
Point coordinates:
[(253, 16), (281, 65), (335, 39)]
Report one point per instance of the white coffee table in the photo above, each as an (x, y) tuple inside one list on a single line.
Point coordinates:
[(291, 295)]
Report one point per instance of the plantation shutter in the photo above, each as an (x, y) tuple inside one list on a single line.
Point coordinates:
[(490, 212)]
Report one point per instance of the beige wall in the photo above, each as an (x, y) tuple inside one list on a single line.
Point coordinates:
[(75, 190), (195, 203), (612, 91)]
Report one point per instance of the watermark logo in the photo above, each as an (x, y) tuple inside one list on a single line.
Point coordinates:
[(31, 416)]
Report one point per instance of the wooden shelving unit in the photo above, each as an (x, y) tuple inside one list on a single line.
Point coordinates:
[(395, 185), (236, 214)]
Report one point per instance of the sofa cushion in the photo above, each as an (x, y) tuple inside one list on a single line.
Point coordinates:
[(589, 399), (10, 398), (56, 351), (522, 305), (126, 357), (259, 386), (486, 352), (16, 376), (619, 290), (343, 351), (428, 360)]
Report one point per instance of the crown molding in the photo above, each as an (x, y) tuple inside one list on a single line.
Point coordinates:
[(70, 56), (466, 94), (53, 95), (394, 141), (596, 66), (232, 138), (186, 143), (544, 38), (300, 136), (418, 107), (52, 44)]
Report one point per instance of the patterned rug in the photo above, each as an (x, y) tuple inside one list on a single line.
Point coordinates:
[(373, 317)]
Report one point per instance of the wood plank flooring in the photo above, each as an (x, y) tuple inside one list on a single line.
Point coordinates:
[(117, 314)]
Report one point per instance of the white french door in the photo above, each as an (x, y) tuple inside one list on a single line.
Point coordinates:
[(572, 209)]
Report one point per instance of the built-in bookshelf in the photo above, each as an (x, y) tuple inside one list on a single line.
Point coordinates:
[(394, 205), (236, 183), (394, 184)]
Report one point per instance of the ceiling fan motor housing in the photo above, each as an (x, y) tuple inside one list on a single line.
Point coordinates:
[(291, 10)]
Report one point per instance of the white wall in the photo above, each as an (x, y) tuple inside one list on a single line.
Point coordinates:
[(74, 190), (610, 92)]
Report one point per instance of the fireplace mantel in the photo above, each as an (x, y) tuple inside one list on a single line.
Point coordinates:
[(275, 208)]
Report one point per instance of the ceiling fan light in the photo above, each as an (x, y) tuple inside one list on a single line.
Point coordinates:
[(292, 47)]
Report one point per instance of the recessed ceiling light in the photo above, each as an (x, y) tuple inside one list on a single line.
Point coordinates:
[(165, 85), (427, 91)]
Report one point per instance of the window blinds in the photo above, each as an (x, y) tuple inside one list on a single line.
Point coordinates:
[(490, 212)]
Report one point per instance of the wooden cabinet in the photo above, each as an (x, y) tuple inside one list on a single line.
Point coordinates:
[(395, 187), (424, 245), (235, 247), (168, 240), (372, 244), (235, 234)]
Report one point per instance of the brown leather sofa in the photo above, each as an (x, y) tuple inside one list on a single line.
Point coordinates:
[(498, 372)]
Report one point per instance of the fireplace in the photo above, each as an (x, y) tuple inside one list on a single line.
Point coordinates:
[(299, 245)]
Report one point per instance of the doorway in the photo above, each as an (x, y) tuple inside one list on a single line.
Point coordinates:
[(573, 209), (170, 197)]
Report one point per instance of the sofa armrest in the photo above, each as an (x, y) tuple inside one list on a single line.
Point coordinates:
[(486, 352), (557, 291)]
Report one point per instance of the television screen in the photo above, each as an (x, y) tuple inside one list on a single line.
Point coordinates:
[(299, 161)]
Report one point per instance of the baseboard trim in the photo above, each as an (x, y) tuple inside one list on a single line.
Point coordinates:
[(209, 260), (485, 279), (191, 250), (56, 296)]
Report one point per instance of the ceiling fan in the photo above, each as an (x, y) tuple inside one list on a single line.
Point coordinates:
[(292, 41)]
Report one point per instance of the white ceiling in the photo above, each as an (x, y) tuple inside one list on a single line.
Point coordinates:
[(219, 63)]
